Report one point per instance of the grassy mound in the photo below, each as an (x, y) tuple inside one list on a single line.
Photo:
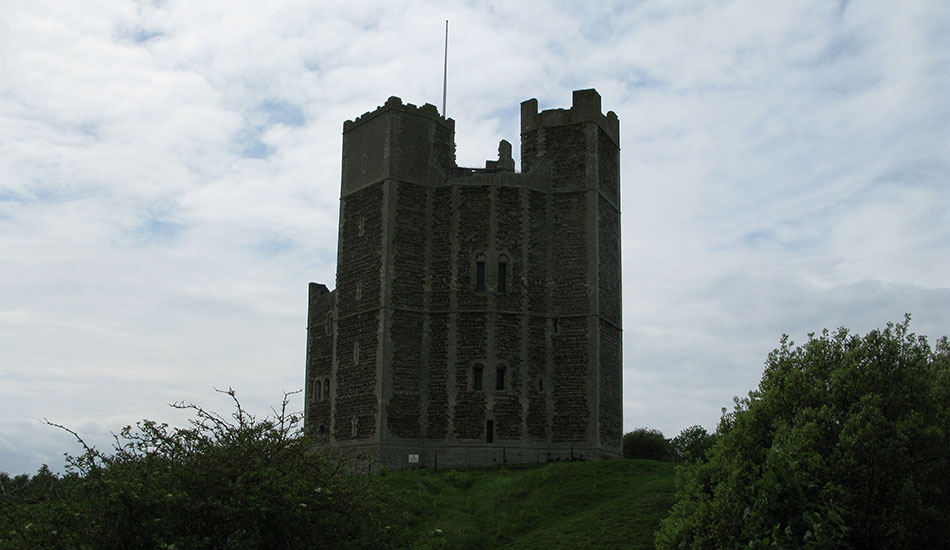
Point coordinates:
[(610, 504)]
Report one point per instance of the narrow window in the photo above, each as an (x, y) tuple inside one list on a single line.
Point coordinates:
[(323, 430), (480, 275), (502, 274), (356, 353), (329, 325), (354, 426), (326, 389), (317, 395), (556, 326), (477, 377), (359, 290), (541, 384), (361, 227), (500, 378), (489, 431)]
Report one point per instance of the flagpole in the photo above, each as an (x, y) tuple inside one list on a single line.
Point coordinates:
[(445, 67)]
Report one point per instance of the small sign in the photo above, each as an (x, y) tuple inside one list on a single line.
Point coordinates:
[(413, 459)]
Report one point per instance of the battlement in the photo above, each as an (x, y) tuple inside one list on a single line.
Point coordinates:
[(586, 107), (395, 104)]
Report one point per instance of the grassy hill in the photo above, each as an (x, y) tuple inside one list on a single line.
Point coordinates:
[(610, 504)]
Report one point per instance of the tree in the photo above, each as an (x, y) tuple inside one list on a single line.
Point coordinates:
[(692, 444), (219, 483), (646, 443), (843, 445)]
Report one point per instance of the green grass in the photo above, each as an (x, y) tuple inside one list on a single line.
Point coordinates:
[(609, 504)]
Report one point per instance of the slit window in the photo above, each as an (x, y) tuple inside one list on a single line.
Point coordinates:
[(480, 274), (500, 378), (317, 395), (489, 431), (329, 324), (356, 353), (477, 377), (326, 389), (502, 274)]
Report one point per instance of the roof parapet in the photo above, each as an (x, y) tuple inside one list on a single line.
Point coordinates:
[(394, 103), (586, 107)]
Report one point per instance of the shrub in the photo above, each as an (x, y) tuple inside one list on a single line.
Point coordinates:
[(219, 483), (646, 443), (692, 444), (843, 445)]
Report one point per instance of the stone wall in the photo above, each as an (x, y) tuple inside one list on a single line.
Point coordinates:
[(410, 324)]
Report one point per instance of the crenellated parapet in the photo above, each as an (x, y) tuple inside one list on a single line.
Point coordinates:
[(586, 107), (394, 103)]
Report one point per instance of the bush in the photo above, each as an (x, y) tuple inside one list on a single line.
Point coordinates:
[(647, 443), (843, 445), (692, 444), (239, 483)]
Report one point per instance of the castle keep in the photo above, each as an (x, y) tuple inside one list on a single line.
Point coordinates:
[(477, 313)]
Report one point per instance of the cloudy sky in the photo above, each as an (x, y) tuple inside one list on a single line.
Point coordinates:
[(169, 183)]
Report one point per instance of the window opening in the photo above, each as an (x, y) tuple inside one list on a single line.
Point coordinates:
[(329, 324), (477, 377), (500, 378), (556, 326), (354, 425), (480, 275), (361, 227), (317, 394), (359, 290), (489, 431), (502, 275), (356, 353), (326, 389), (541, 385)]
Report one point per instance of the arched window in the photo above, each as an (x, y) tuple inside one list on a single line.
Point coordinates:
[(480, 273), (329, 324), (502, 273), (317, 394), (500, 378), (326, 389), (477, 372)]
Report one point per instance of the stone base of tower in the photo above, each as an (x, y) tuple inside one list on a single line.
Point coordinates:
[(434, 456)]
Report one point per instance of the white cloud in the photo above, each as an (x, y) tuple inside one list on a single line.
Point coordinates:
[(170, 176)]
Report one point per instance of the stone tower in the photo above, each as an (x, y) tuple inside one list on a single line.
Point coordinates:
[(477, 314)]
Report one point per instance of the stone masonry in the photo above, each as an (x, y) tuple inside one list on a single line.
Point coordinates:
[(477, 313)]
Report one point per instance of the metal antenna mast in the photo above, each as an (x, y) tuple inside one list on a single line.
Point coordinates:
[(445, 67)]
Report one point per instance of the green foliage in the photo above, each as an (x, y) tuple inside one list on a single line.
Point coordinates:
[(219, 483), (607, 504), (843, 445), (692, 444), (647, 443)]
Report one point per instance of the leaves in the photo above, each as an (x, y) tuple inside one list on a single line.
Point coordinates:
[(219, 482), (843, 443)]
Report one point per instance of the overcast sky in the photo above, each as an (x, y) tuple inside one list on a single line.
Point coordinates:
[(170, 171)]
